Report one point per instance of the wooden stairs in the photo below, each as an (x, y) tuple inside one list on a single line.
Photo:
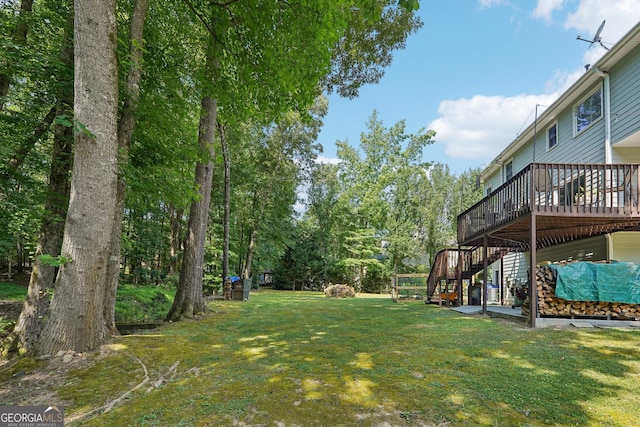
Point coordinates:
[(445, 265)]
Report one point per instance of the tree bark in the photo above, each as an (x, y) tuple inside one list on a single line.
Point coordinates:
[(189, 299), (76, 319), (126, 126)]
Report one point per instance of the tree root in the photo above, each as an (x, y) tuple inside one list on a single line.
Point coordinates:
[(165, 378), (112, 403)]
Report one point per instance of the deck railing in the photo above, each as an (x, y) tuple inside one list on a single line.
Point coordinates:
[(557, 189)]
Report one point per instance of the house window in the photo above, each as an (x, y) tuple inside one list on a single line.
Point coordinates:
[(552, 136), (588, 111), (488, 190), (508, 171)]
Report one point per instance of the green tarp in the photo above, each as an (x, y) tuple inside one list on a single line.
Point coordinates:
[(587, 281)]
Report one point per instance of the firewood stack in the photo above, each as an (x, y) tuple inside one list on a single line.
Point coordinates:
[(550, 305)]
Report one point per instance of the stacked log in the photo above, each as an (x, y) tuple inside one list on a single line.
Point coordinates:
[(552, 306)]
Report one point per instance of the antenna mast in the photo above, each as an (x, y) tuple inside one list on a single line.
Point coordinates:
[(596, 38)]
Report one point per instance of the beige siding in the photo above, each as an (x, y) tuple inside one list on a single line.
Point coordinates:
[(626, 155), (626, 246)]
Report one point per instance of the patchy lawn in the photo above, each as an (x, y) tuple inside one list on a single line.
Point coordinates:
[(293, 358)]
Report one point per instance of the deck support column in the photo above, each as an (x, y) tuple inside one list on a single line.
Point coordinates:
[(459, 276), (533, 286), (485, 266)]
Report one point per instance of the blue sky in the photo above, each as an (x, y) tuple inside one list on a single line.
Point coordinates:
[(476, 70)]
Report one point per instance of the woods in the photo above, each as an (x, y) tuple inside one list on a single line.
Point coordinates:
[(170, 144)]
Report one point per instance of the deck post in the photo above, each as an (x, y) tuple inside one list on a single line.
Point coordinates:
[(459, 276), (485, 266), (533, 285)]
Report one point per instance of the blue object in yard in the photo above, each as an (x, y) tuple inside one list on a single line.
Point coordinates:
[(234, 279)]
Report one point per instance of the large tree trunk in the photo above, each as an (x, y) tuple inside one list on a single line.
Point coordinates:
[(76, 319), (226, 202), (126, 126), (36, 305), (189, 299)]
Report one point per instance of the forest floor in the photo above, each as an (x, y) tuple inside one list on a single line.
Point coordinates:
[(298, 358), (10, 309)]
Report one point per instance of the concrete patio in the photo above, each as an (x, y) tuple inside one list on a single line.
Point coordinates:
[(515, 314)]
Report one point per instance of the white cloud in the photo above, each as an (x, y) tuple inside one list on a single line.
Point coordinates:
[(481, 127), (545, 8), (491, 3), (620, 15), (329, 160)]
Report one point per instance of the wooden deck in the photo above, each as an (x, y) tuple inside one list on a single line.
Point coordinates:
[(565, 202), (546, 204)]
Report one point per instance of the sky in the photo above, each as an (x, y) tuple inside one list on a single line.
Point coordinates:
[(476, 70)]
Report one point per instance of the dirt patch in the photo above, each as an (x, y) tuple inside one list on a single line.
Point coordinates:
[(35, 381), (10, 309), (28, 381)]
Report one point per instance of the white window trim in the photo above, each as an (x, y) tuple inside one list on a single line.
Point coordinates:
[(574, 115), (557, 137)]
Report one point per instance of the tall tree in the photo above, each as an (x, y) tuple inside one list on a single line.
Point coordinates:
[(226, 201), (189, 299), (259, 57), (77, 321), (36, 305), (126, 127)]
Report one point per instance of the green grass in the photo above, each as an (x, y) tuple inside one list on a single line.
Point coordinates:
[(134, 304), (291, 358), (11, 291), (143, 303)]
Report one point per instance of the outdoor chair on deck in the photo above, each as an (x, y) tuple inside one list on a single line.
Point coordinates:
[(622, 188)]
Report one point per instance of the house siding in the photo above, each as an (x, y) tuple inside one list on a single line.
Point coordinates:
[(514, 269), (625, 97), (586, 147)]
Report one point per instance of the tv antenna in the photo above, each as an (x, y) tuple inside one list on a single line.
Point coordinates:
[(596, 38)]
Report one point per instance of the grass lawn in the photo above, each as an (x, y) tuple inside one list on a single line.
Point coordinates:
[(300, 359), (12, 291)]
